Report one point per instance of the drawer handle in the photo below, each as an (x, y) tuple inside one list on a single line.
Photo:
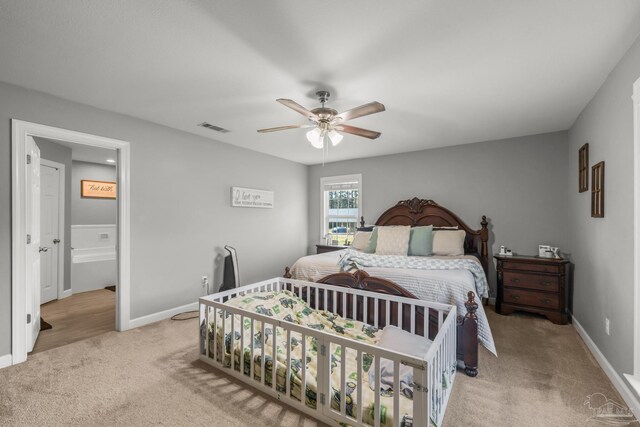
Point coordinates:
[(546, 283), (546, 301), (515, 296), (515, 280)]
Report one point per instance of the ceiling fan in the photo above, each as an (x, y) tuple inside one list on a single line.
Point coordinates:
[(327, 122)]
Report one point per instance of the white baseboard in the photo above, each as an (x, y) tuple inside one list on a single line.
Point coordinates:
[(161, 315), (5, 361), (66, 294), (619, 383)]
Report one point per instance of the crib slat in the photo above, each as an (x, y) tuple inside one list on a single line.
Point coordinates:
[(440, 317), (375, 312), (252, 347), (262, 362), (354, 307), (303, 362), (242, 344), (224, 336), (413, 318), (376, 408), (232, 341), (396, 393), (334, 303), (274, 356), (344, 305), (343, 380), (206, 331), (400, 312), (387, 313), (317, 296), (215, 333), (288, 374), (326, 295), (425, 320), (360, 384)]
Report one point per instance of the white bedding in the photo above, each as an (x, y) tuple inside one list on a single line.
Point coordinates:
[(445, 286)]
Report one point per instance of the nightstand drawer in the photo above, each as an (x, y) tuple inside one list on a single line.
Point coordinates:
[(531, 281), (524, 266), (537, 299)]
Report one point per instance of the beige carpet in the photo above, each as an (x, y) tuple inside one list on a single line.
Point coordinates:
[(151, 375)]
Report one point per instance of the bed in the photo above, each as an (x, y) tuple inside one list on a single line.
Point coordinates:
[(441, 281), (330, 362)]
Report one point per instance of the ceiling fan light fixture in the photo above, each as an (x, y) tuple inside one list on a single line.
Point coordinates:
[(335, 137), (316, 138)]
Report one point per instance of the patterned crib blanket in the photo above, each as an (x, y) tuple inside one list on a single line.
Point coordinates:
[(284, 305), (353, 259)]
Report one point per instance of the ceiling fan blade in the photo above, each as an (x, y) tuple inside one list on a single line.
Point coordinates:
[(299, 108), (358, 131), (363, 110), (284, 128)]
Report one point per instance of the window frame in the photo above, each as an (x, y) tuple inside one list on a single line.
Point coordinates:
[(324, 202)]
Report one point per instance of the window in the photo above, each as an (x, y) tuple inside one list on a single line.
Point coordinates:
[(341, 208)]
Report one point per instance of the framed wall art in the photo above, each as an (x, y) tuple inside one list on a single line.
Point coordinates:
[(90, 189), (597, 190), (583, 168)]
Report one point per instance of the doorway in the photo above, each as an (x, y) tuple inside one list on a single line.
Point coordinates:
[(30, 238)]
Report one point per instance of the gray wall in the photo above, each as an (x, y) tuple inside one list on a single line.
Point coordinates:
[(61, 154), (519, 183), (180, 204), (92, 211), (602, 248)]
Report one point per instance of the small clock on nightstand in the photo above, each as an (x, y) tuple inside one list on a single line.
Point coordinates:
[(533, 284)]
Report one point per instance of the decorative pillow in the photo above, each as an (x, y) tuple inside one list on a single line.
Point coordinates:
[(445, 227), (421, 241), (393, 240), (373, 242), (361, 239), (448, 242), (394, 338)]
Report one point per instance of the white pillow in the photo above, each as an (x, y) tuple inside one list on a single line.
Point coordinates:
[(360, 240), (393, 240), (448, 242)]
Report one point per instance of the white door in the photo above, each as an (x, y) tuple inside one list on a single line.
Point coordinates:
[(33, 246), (49, 204)]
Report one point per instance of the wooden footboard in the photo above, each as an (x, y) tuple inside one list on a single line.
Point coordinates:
[(380, 314)]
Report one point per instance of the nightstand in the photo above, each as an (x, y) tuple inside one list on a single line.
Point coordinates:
[(320, 249), (533, 284)]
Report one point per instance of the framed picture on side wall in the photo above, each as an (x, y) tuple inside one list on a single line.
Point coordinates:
[(583, 168), (597, 190), (90, 189)]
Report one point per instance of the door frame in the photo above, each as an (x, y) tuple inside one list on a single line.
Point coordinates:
[(61, 231), (19, 131)]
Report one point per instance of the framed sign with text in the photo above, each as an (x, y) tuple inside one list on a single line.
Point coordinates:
[(97, 189), (251, 198)]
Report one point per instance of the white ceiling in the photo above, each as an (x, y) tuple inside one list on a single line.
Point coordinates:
[(449, 72), (86, 153)]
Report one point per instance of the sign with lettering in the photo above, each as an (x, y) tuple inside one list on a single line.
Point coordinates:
[(250, 198), (97, 189)]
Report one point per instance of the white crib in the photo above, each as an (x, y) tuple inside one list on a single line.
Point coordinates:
[(430, 390)]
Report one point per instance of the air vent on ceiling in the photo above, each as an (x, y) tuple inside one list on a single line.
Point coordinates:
[(213, 127)]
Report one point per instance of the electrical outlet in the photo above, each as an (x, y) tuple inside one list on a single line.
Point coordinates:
[(204, 281), (606, 325)]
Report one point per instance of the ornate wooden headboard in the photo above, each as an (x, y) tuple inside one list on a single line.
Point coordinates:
[(415, 212)]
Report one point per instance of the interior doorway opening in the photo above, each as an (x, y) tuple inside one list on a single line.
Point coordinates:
[(41, 251), (78, 240)]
